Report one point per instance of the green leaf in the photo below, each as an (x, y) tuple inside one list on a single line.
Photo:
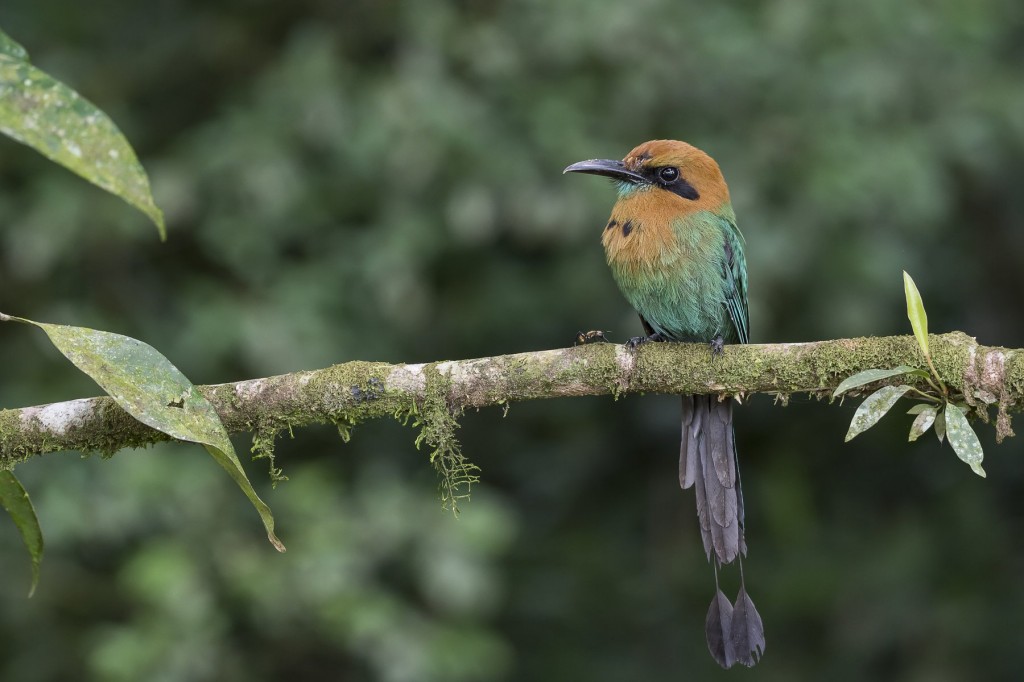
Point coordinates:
[(871, 375), (874, 408), (963, 439), (940, 425), (43, 113), (15, 500), (924, 421), (915, 311), (147, 386), (919, 408), (10, 48)]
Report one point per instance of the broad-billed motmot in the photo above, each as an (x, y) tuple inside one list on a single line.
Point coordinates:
[(674, 249)]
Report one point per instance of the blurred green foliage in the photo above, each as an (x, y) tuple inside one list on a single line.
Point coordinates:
[(381, 180)]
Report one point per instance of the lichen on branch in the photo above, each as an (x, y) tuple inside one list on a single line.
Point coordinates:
[(353, 392)]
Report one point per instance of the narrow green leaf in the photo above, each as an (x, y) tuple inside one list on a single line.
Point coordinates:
[(10, 48), (963, 439), (940, 425), (924, 421), (915, 311), (871, 375), (919, 408), (15, 500), (874, 408), (147, 386), (43, 113)]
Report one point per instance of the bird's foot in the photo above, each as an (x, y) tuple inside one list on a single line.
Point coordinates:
[(638, 341), (594, 336), (717, 346)]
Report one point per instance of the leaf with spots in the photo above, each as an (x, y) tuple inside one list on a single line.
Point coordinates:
[(148, 387), (963, 439), (869, 376), (43, 113), (923, 422), (15, 500), (874, 408), (11, 48)]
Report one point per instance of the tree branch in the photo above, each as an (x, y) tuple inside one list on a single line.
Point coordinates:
[(349, 393)]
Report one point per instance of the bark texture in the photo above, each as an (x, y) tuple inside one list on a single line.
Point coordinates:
[(352, 392)]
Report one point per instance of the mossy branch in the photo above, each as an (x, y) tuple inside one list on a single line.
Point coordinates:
[(353, 392)]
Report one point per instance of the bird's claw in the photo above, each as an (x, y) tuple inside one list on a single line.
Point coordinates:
[(638, 341), (717, 346)]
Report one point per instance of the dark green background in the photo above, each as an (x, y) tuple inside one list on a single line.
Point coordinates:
[(381, 180)]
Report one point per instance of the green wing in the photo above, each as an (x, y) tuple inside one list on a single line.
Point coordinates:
[(734, 280)]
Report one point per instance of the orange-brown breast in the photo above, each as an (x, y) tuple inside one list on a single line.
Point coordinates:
[(639, 234)]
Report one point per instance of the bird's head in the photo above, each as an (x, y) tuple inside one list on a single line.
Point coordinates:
[(675, 171)]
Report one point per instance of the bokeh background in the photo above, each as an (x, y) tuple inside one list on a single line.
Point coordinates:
[(381, 180)]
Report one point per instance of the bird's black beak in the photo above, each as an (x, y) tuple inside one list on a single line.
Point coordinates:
[(608, 168)]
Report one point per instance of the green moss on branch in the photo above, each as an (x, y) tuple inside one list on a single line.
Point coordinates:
[(351, 393)]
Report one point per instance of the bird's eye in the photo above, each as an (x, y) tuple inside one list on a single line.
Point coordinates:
[(668, 174)]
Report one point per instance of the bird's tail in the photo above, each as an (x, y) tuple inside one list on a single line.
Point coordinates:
[(708, 461), (707, 457)]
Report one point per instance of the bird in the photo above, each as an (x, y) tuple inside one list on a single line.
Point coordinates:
[(675, 252)]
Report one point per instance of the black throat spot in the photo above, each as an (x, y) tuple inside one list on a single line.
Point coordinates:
[(611, 224), (627, 227)]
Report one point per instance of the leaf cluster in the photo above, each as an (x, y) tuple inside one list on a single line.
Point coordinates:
[(937, 408)]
